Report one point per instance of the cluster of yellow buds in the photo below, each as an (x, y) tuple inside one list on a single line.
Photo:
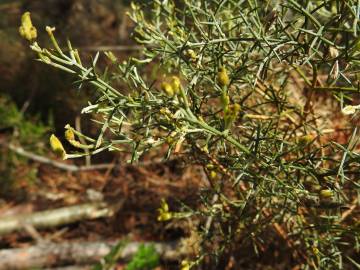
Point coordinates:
[(185, 265), (315, 250), (230, 111), (173, 87), (230, 114), (167, 113), (57, 146), (223, 77), (164, 213), (191, 55), (27, 30), (212, 171)]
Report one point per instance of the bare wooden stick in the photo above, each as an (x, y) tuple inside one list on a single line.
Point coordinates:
[(348, 212), (54, 163), (70, 167), (53, 218), (73, 267), (75, 253)]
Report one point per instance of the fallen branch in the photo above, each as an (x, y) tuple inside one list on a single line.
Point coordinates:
[(73, 168), (53, 218), (74, 267), (348, 212), (77, 253), (54, 163)]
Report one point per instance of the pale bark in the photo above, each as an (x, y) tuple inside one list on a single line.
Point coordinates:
[(78, 253), (56, 217)]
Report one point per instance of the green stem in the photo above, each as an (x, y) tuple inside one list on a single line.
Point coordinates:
[(192, 118), (336, 88)]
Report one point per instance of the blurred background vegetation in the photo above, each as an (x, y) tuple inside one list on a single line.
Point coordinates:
[(36, 100), (33, 87)]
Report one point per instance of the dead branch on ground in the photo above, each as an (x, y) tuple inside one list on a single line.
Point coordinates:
[(76, 253), (57, 217)]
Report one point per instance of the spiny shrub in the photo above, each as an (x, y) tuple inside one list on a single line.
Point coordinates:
[(251, 91)]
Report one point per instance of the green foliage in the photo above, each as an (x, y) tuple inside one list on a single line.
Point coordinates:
[(111, 259), (239, 114), (31, 134), (25, 131), (146, 258), (9, 113)]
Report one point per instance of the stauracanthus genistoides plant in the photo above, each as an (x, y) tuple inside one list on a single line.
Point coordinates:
[(248, 90)]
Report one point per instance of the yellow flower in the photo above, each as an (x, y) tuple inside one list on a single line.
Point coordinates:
[(69, 135), (167, 88), (27, 30), (191, 55), (175, 84), (315, 250), (210, 166), (212, 175), (326, 194), (164, 213), (57, 146), (185, 265), (223, 77)]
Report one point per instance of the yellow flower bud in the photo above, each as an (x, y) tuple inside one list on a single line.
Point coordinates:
[(315, 250), (170, 140), (57, 146), (306, 139), (210, 166), (175, 84), (69, 135), (165, 216), (191, 55), (223, 77), (230, 114), (185, 265), (326, 193), (167, 88), (164, 213), (213, 175), (225, 100), (27, 30)]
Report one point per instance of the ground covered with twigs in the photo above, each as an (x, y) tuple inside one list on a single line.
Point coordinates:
[(135, 190)]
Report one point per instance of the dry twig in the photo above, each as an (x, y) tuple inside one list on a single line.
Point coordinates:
[(57, 217), (77, 253)]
